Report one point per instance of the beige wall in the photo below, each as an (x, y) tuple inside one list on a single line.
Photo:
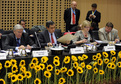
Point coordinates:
[(110, 11)]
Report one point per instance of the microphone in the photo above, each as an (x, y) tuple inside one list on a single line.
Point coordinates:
[(37, 39)]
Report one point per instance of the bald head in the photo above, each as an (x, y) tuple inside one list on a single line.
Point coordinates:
[(73, 5)]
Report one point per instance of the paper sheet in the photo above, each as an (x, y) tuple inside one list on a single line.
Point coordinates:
[(99, 41)]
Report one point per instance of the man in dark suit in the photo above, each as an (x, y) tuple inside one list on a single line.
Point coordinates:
[(18, 39), (93, 15), (71, 16)]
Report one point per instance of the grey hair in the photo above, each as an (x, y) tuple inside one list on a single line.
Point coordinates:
[(17, 26)]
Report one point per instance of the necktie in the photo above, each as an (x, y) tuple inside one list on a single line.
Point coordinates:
[(73, 18), (52, 40), (108, 38), (17, 42)]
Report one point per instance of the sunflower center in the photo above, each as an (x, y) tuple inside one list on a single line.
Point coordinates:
[(37, 82)]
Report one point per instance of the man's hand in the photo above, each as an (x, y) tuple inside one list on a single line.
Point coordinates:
[(116, 40), (28, 47), (67, 42), (90, 16), (84, 40), (21, 47), (49, 44), (0, 35)]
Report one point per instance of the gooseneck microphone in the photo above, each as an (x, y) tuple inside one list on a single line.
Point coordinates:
[(37, 39)]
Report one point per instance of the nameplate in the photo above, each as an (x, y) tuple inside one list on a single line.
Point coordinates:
[(77, 50), (109, 48), (39, 53), (3, 55)]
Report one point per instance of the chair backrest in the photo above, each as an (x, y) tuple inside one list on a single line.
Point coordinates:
[(95, 35), (8, 31), (3, 38)]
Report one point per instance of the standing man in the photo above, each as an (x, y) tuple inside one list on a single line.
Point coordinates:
[(71, 16), (93, 15)]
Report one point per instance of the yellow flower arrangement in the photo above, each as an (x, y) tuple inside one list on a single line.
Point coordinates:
[(56, 58), (101, 72), (13, 62), (1, 66), (100, 61), (47, 74), (20, 77), (28, 74), (2, 81), (24, 74), (109, 65), (89, 67), (95, 63), (7, 64), (75, 65), (74, 58), (95, 70), (84, 56), (113, 66), (49, 67), (94, 57), (37, 68), (42, 66), (23, 69), (14, 69), (44, 59), (113, 59), (31, 65), (57, 71), (10, 74), (63, 69), (14, 78), (113, 52), (70, 72), (98, 55), (37, 81), (22, 63), (105, 54), (35, 61), (62, 81), (67, 59), (56, 62), (83, 65), (119, 64), (106, 61), (119, 54), (80, 58), (79, 70)]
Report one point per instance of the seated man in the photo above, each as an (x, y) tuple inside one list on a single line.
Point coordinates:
[(108, 33), (18, 39), (49, 36)]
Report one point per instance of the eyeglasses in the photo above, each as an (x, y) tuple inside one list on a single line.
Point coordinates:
[(86, 27)]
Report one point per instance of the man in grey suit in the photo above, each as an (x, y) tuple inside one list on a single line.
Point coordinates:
[(108, 33)]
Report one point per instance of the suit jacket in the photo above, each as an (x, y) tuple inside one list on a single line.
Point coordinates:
[(1, 31), (97, 19), (27, 30), (103, 37), (44, 37), (67, 16), (11, 43)]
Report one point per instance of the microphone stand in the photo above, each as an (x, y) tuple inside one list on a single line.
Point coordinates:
[(37, 39)]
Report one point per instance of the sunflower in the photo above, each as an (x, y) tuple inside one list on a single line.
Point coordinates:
[(66, 59), (37, 81), (74, 58), (109, 65), (80, 58), (113, 52), (23, 69), (10, 74), (119, 54), (13, 62), (62, 80), (49, 67), (24, 74), (2, 81), (106, 60), (95, 63), (95, 70), (14, 78), (47, 74), (63, 69), (44, 59), (94, 57), (31, 65), (22, 63), (7, 64), (84, 56), (37, 68), (75, 65), (28, 74), (20, 77), (100, 62), (89, 67), (56, 58), (119, 64), (98, 55), (113, 66), (80, 70), (42, 66), (57, 71), (101, 72), (105, 54), (70, 72), (14, 69), (83, 65), (56, 62), (113, 59), (1, 66), (35, 61)]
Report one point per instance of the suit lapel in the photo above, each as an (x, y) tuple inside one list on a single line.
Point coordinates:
[(47, 36)]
